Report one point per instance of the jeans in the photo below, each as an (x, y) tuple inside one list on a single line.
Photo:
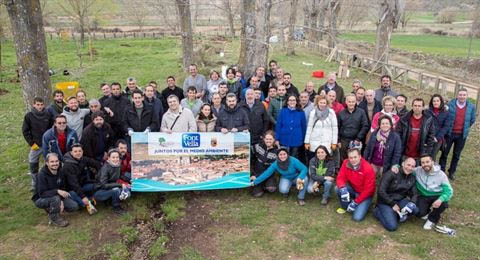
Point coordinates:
[(285, 184), (425, 202), (104, 195), (362, 208), (52, 204), (388, 217), (87, 189), (327, 186), (33, 158), (458, 143)]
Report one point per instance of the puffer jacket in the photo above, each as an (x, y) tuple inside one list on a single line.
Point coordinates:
[(291, 127), (209, 126), (50, 141), (232, 118), (395, 187), (392, 153), (322, 132)]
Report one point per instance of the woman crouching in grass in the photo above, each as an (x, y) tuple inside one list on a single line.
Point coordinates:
[(321, 171), (291, 171)]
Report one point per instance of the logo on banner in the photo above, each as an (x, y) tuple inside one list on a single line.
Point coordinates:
[(190, 140)]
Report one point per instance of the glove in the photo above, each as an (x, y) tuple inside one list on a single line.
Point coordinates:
[(334, 147), (352, 206), (147, 130), (409, 208), (300, 184), (35, 147), (315, 186), (344, 195), (130, 132)]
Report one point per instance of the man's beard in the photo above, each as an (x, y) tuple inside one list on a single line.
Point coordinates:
[(74, 110)]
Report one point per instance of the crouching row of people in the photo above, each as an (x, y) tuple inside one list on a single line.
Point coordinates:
[(407, 190), (81, 182)]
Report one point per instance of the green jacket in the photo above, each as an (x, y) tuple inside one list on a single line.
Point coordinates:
[(434, 183), (274, 108)]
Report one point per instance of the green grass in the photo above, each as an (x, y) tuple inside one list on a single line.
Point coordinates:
[(158, 248), (430, 44), (266, 228)]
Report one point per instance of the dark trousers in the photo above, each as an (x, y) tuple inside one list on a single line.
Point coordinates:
[(458, 143), (52, 204), (269, 184), (344, 149), (113, 194), (387, 216), (425, 202)]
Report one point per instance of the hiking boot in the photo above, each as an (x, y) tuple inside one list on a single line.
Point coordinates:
[(301, 202), (428, 225), (257, 194), (324, 201), (57, 220), (90, 208), (119, 211)]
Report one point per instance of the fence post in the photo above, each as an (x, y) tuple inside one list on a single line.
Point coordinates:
[(457, 87), (437, 85), (50, 36), (114, 35), (420, 81)]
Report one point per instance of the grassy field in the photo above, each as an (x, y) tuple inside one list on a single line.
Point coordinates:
[(238, 226), (430, 44)]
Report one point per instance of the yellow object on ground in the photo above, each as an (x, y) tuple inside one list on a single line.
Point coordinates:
[(69, 88), (341, 211)]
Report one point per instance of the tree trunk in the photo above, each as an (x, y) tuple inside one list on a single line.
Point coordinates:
[(476, 22), (322, 13), (291, 28), (187, 32), (333, 10), (389, 16), (31, 49), (82, 30), (311, 14), (231, 24), (243, 42), (257, 35)]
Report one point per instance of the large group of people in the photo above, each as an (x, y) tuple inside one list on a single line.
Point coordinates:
[(366, 144)]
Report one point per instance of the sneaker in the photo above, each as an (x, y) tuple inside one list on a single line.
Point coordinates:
[(119, 211), (403, 217), (451, 176), (428, 225), (123, 195), (57, 220), (324, 201), (425, 217), (301, 202), (257, 194), (90, 208)]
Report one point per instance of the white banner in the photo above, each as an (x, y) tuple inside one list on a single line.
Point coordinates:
[(190, 144)]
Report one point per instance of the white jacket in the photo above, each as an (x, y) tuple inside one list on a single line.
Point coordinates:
[(322, 132), (185, 123)]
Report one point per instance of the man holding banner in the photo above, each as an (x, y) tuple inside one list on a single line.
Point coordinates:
[(233, 118)]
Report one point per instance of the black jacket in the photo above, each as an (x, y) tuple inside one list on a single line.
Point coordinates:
[(402, 112), (48, 183), (392, 153), (258, 118), (232, 118), (427, 132), (118, 105), (292, 90), (78, 172), (377, 107), (262, 157), (157, 105), (167, 92), (352, 126), (35, 124), (395, 187), (148, 119), (90, 139), (108, 176), (338, 89), (329, 165)]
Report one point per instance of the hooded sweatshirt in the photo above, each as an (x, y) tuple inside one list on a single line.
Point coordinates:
[(35, 124), (434, 183), (75, 119)]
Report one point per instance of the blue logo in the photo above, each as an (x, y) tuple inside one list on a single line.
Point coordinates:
[(190, 140)]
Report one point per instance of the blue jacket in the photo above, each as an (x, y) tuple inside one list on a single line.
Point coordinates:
[(296, 169), (50, 141), (440, 123), (291, 127), (392, 154), (469, 117)]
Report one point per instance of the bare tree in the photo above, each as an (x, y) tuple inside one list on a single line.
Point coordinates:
[(187, 32), (291, 27), (355, 12), (311, 8), (31, 49), (79, 11), (231, 22), (390, 12), (333, 10), (137, 11), (257, 34), (243, 34), (168, 13), (476, 21)]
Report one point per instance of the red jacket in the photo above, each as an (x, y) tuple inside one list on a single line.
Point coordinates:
[(125, 166), (362, 180)]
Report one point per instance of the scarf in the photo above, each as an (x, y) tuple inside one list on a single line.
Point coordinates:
[(390, 114), (382, 139), (231, 81), (284, 165), (436, 111), (321, 115)]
